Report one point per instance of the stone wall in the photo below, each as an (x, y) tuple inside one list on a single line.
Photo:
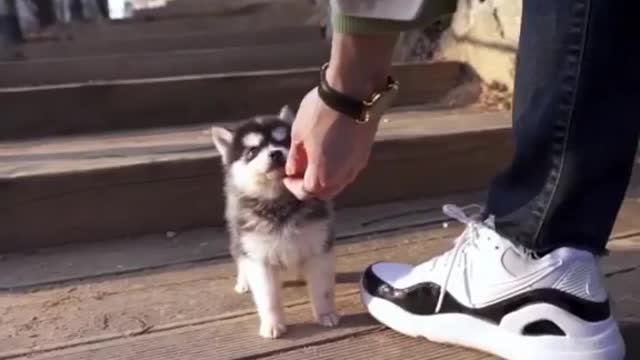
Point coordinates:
[(484, 34)]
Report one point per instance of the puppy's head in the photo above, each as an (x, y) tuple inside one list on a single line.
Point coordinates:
[(254, 154)]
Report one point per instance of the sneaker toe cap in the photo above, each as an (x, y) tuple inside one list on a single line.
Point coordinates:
[(401, 285), (378, 277)]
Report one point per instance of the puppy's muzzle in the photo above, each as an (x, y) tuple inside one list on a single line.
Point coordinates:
[(277, 159)]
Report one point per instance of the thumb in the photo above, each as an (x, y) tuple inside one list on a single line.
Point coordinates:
[(296, 160), (296, 187)]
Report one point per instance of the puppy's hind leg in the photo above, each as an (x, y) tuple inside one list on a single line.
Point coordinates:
[(265, 284), (321, 282), (242, 284)]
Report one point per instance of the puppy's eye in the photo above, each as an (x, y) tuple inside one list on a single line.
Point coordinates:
[(252, 152)]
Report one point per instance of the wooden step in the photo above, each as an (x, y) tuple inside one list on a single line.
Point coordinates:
[(159, 65), (96, 107), (63, 264), (140, 182), (196, 8), (166, 43), (165, 311), (222, 17)]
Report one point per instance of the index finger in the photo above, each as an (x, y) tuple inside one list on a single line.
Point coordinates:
[(296, 160)]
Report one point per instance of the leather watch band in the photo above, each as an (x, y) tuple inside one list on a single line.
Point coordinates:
[(339, 102)]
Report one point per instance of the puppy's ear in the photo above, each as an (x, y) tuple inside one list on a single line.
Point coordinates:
[(222, 139), (287, 114)]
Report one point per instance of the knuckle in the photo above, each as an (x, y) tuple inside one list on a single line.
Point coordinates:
[(313, 186)]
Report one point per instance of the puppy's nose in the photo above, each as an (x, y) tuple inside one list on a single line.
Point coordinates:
[(277, 157)]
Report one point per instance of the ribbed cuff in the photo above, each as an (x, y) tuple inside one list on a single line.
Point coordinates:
[(432, 11)]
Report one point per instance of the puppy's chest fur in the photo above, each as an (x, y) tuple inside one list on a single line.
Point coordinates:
[(282, 232)]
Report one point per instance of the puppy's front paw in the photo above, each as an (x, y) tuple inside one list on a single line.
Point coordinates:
[(330, 319), (241, 288), (272, 329)]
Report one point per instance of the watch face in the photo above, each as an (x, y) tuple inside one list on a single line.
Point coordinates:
[(381, 104)]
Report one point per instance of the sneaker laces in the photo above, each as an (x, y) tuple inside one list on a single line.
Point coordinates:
[(468, 238)]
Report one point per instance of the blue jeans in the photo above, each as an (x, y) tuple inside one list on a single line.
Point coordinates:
[(575, 123), (62, 10), (10, 33), (90, 9)]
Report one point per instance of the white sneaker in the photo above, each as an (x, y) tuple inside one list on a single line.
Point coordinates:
[(489, 295)]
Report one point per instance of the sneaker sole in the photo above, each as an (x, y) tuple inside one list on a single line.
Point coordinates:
[(603, 343)]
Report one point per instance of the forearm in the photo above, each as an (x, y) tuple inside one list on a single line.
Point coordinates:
[(362, 44), (360, 64)]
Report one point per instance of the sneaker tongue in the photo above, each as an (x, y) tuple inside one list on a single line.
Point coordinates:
[(515, 263), (490, 222)]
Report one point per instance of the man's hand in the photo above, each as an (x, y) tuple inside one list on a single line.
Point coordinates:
[(328, 150)]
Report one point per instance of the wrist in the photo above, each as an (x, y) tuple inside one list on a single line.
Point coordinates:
[(366, 110), (347, 80), (360, 64)]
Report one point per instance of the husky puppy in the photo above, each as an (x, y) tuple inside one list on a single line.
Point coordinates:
[(270, 229)]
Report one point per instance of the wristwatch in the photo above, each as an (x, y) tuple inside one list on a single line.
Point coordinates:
[(362, 111)]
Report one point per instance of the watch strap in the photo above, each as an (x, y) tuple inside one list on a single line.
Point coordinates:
[(339, 102)]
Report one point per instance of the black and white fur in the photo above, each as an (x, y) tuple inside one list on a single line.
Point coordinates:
[(271, 230)]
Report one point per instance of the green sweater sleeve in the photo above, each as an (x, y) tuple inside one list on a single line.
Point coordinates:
[(431, 12)]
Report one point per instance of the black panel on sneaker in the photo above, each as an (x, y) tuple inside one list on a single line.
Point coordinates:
[(543, 327), (422, 298)]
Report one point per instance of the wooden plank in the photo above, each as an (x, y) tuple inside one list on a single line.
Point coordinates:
[(154, 65), (226, 340), (165, 43), (92, 152), (74, 262), (192, 312), (103, 201), (476, 147), (119, 105), (179, 299), (182, 190), (628, 224), (380, 345)]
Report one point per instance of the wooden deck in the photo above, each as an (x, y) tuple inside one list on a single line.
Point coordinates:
[(170, 296)]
